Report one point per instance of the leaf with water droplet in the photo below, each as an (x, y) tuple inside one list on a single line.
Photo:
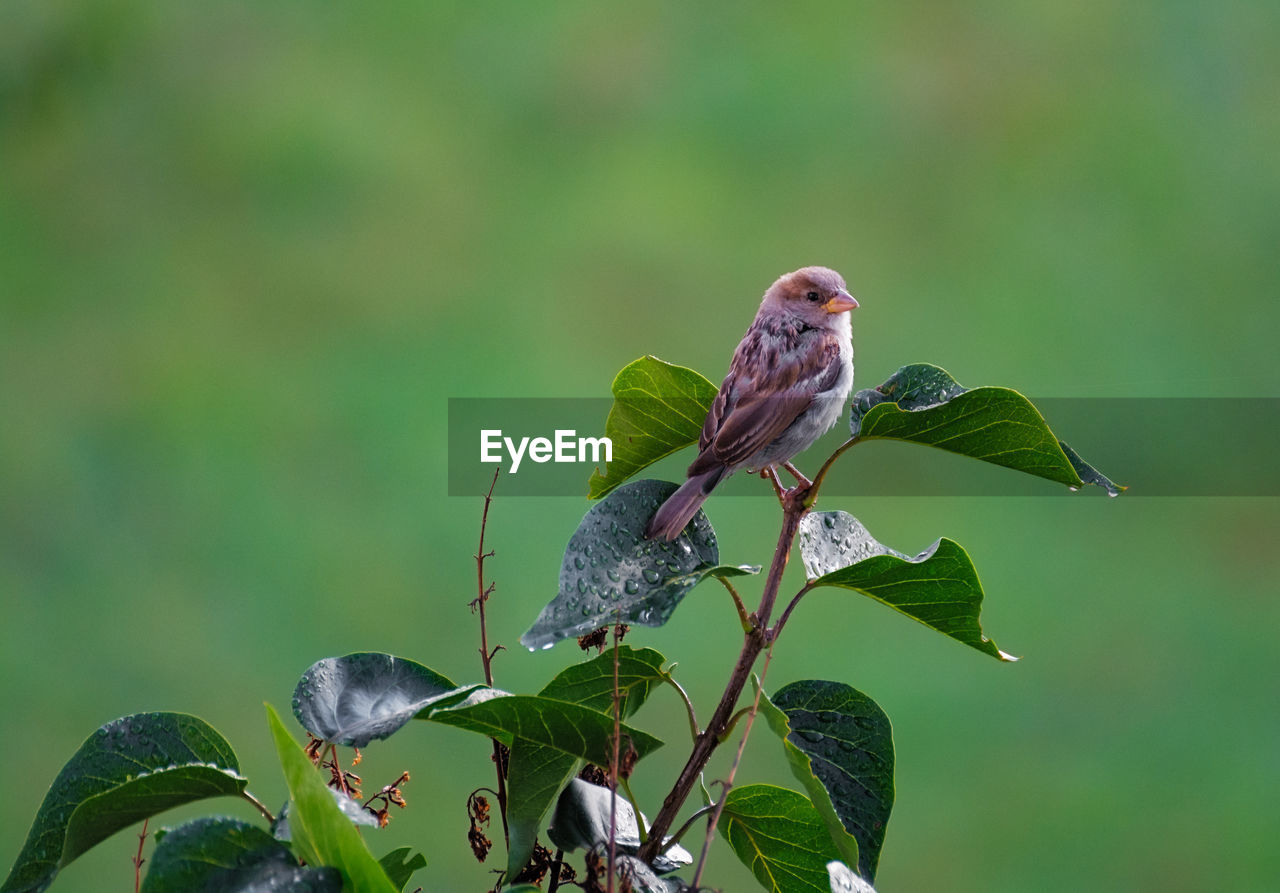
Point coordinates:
[(655, 575), (658, 408), (924, 404), (584, 815), (226, 854), (843, 879), (939, 587), (840, 746), (354, 699), (115, 780)]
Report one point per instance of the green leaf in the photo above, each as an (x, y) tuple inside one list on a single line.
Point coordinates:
[(351, 808), (939, 587), (924, 404), (658, 408), (400, 866), (612, 573), (843, 880), (780, 836), (353, 699), (321, 834), (577, 731), (535, 772), (590, 683), (230, 856), (129, 770), (840, 746)]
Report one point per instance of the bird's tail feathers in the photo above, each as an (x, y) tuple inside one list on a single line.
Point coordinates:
[(682, 505)]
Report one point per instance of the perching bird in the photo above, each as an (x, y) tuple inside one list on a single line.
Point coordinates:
[(786, 387)]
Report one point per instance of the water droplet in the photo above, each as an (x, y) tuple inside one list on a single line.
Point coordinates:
[(829, 521), (1113, 493), (632, 587), (613, 575), (1073, 489), (578, 562), (582, 584), (650, 575)]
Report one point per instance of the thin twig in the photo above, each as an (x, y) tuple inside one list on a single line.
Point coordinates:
[(258, 805), (486, 654), (743, 617), (733, 770), (137, 859), (554, 883), (826, 466), (684, 696), (795, 600), (675, 838)]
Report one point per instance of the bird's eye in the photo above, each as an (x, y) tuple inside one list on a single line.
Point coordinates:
[(813, 296)]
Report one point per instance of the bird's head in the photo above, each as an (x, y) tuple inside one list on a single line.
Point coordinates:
[(816, 295)]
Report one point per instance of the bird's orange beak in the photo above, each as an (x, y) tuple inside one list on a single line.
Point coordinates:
[(840, 303)]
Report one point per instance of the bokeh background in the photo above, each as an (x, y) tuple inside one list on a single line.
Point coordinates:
[(248, 252)]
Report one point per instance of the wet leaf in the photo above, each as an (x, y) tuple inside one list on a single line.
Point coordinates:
[(354, 699), (611, 573), (536, 773), (924, 404), (129, 770), (780, 836), (582, 821), (231, 856), (321, 834), (843, 880), (658, 408), (840, 746), (939, 587)]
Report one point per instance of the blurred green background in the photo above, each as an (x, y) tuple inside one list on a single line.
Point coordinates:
[(248, 252)]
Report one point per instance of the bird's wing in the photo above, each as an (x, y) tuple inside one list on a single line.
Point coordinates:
[(762, 397)]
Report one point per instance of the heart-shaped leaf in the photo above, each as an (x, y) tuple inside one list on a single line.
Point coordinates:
[(130, 769), (843, 880), (939, 587), (577, 731), (612, 573), (924, 404), (353, 699), (780, 836), (658, 408), (840, 746), (582, 821), (535, 772), (400, 866), (231, 856), (321, 833)]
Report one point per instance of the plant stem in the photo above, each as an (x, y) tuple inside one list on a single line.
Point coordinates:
[(138, 860), (486, 656), (752, 644), (258, 805), (733, 770)]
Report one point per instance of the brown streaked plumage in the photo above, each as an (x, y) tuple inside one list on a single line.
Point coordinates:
[(786, 386)]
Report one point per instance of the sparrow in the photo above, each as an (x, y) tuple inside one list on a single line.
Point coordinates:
[(787, 384)]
